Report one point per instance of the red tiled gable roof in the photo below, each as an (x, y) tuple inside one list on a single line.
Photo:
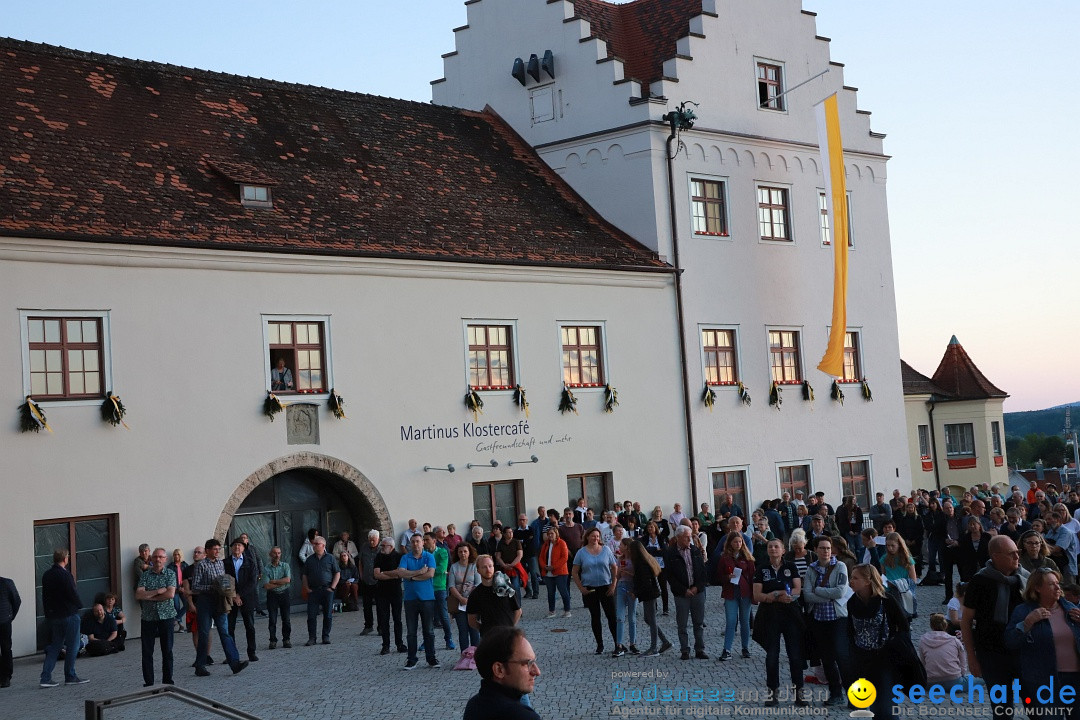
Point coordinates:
[(915, 383), (99, 148), (642, 33), (958, 375)]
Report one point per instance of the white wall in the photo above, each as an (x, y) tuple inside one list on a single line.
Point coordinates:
[(603, 149), (188, 362)]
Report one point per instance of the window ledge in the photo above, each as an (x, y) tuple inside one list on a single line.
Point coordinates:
[(712, 234), (725, 384), (68, 402), (586, 386), (491, 388), (788, 382), (849, 382)]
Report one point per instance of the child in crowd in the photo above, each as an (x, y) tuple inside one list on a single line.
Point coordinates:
[(942, 654)]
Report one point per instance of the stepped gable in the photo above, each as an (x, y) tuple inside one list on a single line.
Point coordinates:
[(106, 149), (642, 34), (958, 375), (915, 383)]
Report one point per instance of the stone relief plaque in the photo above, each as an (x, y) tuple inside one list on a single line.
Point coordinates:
[(302, 424)]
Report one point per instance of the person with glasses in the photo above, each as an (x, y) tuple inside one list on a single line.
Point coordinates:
[(508, 671), (1034, 553), (1045, 632), (992, 595)]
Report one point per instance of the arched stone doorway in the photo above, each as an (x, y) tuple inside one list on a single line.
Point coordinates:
[(277, 504)]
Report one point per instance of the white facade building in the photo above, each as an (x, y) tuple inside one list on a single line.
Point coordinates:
[(174, 263), (749, 234)]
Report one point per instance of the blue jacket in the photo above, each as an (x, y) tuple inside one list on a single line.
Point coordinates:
[(1037, 658)]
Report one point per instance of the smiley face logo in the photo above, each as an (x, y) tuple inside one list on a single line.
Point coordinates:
[(862, 693)]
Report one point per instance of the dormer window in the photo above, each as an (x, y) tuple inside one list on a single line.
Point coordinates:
[(255, 196)]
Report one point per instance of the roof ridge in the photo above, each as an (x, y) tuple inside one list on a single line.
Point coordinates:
[(183, 70)]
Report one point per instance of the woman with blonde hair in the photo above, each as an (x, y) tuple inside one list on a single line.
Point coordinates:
[(647, 590), (877, 626), (899, 568)]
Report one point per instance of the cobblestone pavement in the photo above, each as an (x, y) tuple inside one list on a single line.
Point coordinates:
[(349, 679)]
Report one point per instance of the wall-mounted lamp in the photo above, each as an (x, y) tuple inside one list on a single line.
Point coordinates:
[(532, 459), (534, 67), (492, 463), (448, 468)]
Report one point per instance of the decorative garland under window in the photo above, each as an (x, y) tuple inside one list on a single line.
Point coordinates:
[(808, 392), (611, 399), (520, 401), (867, 395), (337, 404), (474, 403), (272, 406), (776, 397), (32, 417), (567, 403), (744, 394), (708, 397), (837, 393), (113, 410)]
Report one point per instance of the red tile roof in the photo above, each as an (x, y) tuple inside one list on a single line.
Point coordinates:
[(958, 376), (98, 148), (642, 33)]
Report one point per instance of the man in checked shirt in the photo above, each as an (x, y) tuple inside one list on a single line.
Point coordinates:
[(209, 604)]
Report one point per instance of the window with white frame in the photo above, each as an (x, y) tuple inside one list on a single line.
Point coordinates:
[(582, 355), (66, 354), (995, 436), (774, 213), (785, 356), (721, 362), (960, 440), (855, 481), (297, 354), (852, 358), (708, 205), (770, 85), (826, 230), (490, 355), (924, 442), (255, 196)]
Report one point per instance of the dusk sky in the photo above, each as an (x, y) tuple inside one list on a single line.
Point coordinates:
[(976, 100)]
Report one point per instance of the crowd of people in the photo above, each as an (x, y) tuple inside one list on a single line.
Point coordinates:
[(835, 585)]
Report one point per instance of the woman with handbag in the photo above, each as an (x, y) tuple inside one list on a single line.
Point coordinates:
[(554, 555), (462, 579), (880, 636), (777, 587), (646, 588)]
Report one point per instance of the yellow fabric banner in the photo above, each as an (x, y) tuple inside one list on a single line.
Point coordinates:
[(832, 169)]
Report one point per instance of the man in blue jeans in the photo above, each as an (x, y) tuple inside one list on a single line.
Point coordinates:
[(61, 603), (320, 580), (205, 583), (416, 569)]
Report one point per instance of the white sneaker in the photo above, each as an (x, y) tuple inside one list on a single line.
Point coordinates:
[(551, 615), (567, 614)]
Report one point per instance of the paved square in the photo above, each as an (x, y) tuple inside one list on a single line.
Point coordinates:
[(349, 679)]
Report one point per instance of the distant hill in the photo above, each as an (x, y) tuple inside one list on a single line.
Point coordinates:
[(1044, 422)]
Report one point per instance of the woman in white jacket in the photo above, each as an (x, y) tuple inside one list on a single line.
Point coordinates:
[(942, 654)]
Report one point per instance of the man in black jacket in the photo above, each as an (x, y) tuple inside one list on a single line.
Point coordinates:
[(61, 603), (246, 572), (10, 602), (685, 572), (508, 670)]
